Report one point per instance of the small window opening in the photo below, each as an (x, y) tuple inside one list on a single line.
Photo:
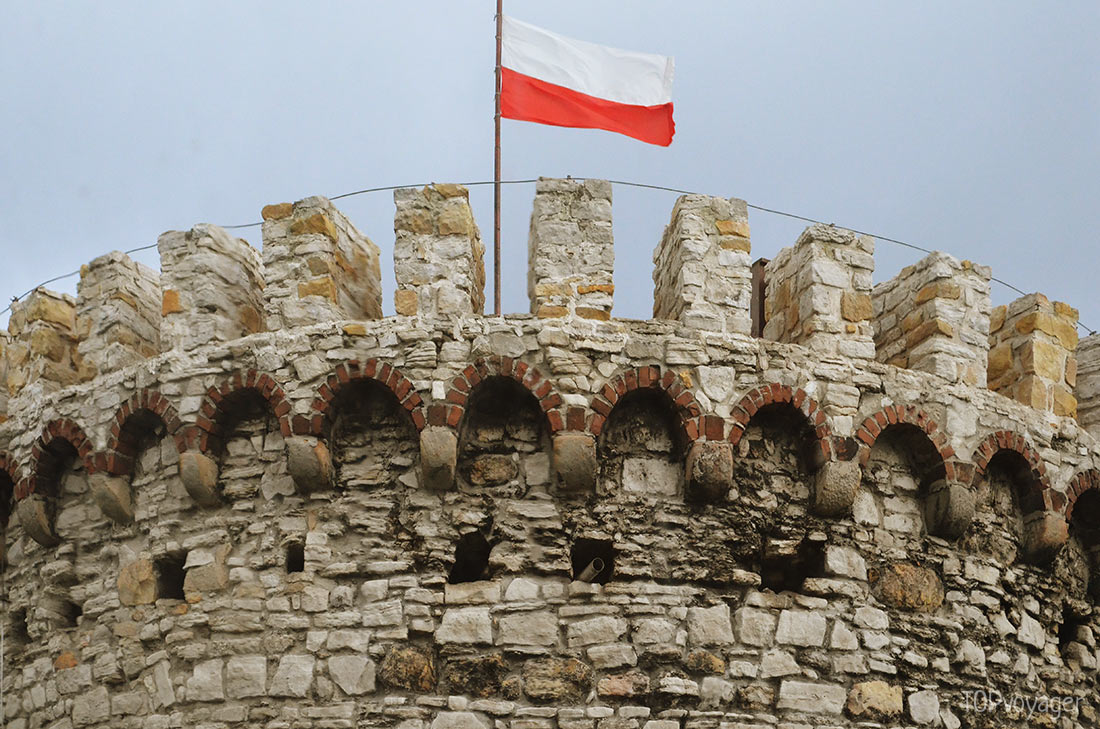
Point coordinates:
[(787, 566), (471, 559), (593, 560), (19, 632), (71, 612), (1068, 631), (295, 558), (170, 574)]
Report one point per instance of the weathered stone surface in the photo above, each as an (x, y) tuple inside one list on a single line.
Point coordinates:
[(709, 470), (112, 496), (874, 701), (309, 463), (465, 625), (206, 683), (949, 509), (811, 698), (245, 676), (91, 707), (555, 679), (137, 583), (910, 587), (199, 474), (438, 456), (477, 676), (293, 677), (575, 461), (410, 668), (710, 626), (835, 486), (353, 674)]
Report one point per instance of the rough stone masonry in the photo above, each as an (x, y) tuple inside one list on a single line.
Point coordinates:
[(268, 506)]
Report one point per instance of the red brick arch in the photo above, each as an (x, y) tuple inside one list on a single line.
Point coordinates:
[(1082, 482), (1036, 495), (891, 416), (797, 399), (450, 411), (217, 409), (123, 443), (688, 412), (46, 455), (319, 419)]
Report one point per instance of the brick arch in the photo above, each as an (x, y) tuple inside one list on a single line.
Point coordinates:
[(46, 452), (892, 416), (319, 419), (1036, 495), (689, 414), (217, 407), (123, 443), (528, 376), (1082, 482), (784, 395)]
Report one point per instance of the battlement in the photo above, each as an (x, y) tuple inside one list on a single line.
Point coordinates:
[(268, 504)]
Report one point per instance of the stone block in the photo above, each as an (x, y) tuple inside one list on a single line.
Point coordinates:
[(709, 468), (801, 628), (245, 676), (137, 583), (1045, 532), (836, 484), (811, 698), (438, 458), (309, 463), (754, 626), (199, 474), (206, 683), (35, 517), (294, 676), (42, 345), (874, 701), (466, 626), (710, 625), (575, 462), (353, 674), (112, 495), (948, 509)]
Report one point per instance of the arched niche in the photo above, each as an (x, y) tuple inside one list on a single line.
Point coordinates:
[(901, 464), (1078, 565), (1006, 490), (503, 438), (775, 457), (642, 446), (372, 437), (145, 455)]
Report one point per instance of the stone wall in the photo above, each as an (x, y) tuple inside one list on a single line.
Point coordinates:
[(117, 313), (819, 293), (438, 257), (527, 523), (212, 287), (317, 266), (1031, 353), (701, 268), (43, 343), (934, 317), (1087, 391), (571, 250)]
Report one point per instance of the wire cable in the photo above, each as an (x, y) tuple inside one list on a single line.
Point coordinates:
[(625, 183)]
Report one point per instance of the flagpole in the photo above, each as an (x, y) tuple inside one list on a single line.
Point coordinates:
[(496, 170)]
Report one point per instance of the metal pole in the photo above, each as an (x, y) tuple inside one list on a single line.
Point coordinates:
[(496, 171)]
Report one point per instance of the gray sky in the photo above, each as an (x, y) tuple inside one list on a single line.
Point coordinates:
[(971, 127)]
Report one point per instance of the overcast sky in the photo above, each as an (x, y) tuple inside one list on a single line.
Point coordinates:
[(969, 127)]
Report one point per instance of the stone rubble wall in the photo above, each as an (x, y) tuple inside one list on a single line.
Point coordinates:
[(1087, 391), (934, 317), (571, 250), (43, 345), (1032, 342), (317, 266), (701, 268), (117, 313), (382, 522), (819, 293), (212, 287), (438, 257)]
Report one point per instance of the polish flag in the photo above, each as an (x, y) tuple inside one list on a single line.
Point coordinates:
[(551, 79)]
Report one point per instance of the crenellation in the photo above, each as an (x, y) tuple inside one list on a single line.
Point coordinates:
[(818, 293), (1032, 345), (212, 287), (117, 314), (701, 268), (1087, 390), (316, 266), (42, 347), (553, 522), (570, 250), (438, 257), (934, 317)]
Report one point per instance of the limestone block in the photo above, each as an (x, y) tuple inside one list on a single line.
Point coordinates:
[(212, 287), (570, 250), (317, 266), (801, 628), (529, 628), (206, 682), (137, 583), (438, 257), (934, 317), (702, 270), (438, 458), (353, 674), (709, 626), (818, 292), (1044, 534), (754, 627), (117, 314), (836, 484), (948, 509), (811, 698), (35, 516), (465, 625), (245, 676), (874, 701), (574, 460), (112, 496), (309, 463), (293, 677), (91, 707), (199, 474), (709, 470)]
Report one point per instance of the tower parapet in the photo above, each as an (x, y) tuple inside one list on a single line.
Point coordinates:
[(212, 286), (117, 313), (317, 266), (571, 253), (701, 268), (43, 345), (818, 293), (934, 317), (438, 257), (1032, 342)]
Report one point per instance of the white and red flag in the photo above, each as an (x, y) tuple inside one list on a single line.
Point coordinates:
[(550, 79)]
